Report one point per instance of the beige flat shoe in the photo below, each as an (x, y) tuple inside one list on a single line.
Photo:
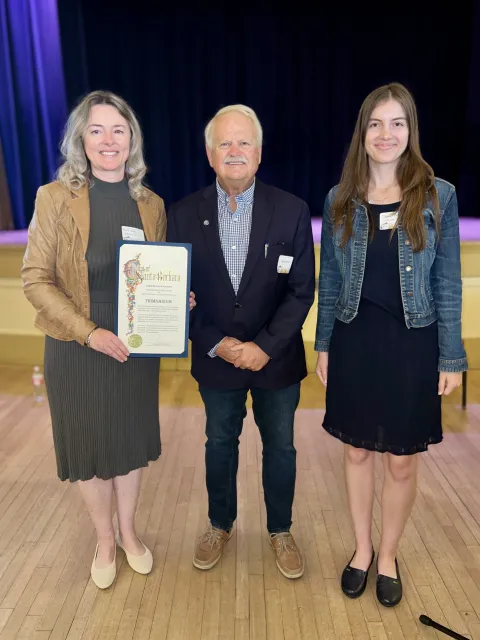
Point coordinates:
[(104, 578), (141, 564)]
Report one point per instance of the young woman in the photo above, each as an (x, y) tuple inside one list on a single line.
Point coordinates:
[(389, 322)]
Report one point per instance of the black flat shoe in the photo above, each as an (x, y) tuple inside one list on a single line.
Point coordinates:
[(354, 581), (389, 590)]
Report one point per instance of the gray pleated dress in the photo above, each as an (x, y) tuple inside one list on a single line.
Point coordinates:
[(105, 416)]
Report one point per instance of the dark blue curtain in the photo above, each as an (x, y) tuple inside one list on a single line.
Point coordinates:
[(469, 178), (304, 72), (32, 98)]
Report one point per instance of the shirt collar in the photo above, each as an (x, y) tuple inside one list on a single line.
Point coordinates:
[(246, 196)]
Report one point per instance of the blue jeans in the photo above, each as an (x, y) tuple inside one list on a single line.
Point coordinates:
[(274, 412)]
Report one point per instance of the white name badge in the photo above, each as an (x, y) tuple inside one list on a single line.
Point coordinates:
[(388, 220), (130, 233), (284, 264)]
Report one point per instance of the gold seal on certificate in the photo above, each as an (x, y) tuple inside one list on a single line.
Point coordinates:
[(135, 341), (153, 285)]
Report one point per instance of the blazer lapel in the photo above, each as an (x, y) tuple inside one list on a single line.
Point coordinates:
[(261, 218), (208, 215), (148, 214), (79, 206)]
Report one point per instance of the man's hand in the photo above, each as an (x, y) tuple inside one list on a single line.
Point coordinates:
[(250, 356), (224, 349)]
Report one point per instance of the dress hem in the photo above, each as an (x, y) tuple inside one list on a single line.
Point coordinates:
[(109, 476), (381, 447)]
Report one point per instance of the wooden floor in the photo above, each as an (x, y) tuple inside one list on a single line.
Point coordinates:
[(47, 541)]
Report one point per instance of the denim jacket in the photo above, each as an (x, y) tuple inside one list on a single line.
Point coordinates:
[(430, 280)]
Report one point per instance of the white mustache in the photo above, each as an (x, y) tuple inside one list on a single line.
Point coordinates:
[(229, 159)]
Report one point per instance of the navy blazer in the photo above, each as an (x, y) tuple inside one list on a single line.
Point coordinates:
[(269, 308)]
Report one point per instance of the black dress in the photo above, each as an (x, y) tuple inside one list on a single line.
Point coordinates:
[(105, 415), (382, 391)]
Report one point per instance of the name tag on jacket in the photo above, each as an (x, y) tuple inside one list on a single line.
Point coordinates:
[(130, 233), (284, 264), (388, 219)]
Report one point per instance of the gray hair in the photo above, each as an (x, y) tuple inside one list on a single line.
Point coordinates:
[(75, 171), (234, 108)]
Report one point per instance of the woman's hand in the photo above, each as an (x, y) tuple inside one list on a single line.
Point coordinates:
[(108, 343), (447, 382), (193, 302), (322, 367)]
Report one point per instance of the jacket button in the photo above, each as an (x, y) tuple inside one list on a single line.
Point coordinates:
[(407, 242), (238, 305), (410, 293), (408, 268)]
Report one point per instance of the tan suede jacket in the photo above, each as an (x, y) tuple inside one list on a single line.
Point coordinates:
[(55, 271)]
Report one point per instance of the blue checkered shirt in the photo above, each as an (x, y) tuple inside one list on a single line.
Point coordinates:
[(234, 231)]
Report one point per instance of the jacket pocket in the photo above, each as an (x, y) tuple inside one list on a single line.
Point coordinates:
[(430, 229)]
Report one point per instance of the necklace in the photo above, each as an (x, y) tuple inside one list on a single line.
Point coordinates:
[(386, 190)]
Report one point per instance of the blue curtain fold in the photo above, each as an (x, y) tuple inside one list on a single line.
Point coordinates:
[(32, 98)]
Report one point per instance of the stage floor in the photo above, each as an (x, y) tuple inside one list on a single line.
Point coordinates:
[(47, 539), (469, 229), (469, 232)]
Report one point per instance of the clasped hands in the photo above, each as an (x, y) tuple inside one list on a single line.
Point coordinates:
[(243, 355)]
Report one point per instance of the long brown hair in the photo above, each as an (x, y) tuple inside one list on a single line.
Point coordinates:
[(415, 176)]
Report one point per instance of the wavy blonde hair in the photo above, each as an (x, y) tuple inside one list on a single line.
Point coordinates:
[(75, 170)]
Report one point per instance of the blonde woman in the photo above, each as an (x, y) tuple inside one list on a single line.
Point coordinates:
[(104, 405)]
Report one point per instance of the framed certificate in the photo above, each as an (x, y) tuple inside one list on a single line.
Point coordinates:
[(153, 289)]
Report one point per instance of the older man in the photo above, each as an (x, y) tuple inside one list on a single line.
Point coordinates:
[(253, 275)]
